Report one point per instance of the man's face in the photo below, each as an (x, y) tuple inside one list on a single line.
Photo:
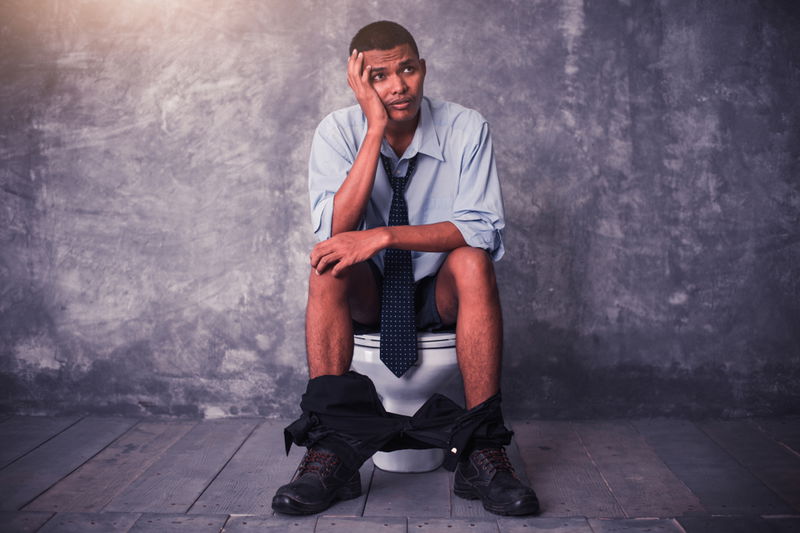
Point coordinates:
[(397, 76)]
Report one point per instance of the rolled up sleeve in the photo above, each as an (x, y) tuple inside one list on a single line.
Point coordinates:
[(328, 165), (478, 206)]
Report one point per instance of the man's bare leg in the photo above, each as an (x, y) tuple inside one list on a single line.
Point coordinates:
[(466, 289), (466, 293), (332, 305), (329, 469)]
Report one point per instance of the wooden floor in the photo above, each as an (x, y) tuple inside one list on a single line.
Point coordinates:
[(663, 475)]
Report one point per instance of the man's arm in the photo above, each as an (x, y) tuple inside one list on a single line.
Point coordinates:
[(351, 199), (439, 237), (478, 207), (349, 248)]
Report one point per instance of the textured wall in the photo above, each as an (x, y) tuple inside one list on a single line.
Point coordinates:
[(154, 229)]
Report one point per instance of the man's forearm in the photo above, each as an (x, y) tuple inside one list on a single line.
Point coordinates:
[(439, 237), (350, 200), (351, 247)]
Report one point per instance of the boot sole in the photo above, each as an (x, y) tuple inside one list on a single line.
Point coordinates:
[(524, 508), (282, 503)]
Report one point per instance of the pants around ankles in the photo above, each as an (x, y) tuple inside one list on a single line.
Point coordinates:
[(345, 414)]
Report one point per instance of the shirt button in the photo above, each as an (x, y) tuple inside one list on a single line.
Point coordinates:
[(453, 450)]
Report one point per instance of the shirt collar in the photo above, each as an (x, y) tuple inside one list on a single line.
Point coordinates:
[(425, 140)]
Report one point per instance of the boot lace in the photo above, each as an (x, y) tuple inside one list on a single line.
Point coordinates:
[(316, 461), (494, 459)]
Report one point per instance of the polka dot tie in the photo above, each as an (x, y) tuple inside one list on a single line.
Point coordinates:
[(398, 323)]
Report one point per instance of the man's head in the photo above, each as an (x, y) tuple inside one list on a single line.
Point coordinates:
[(397, 72), (382, 35)]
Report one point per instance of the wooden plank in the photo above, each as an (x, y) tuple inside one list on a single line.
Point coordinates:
[(270, 524), (355, 507), (21, 434), (784, 430), (724, 524), (248, 482), (723, 486), (551, 525), (783, 524), (638, 478), (518, 462), (92, 486), (563, 475), (180, 475), (179, 523), (26, 478), (452, 525), (777, 467), (463, 508), (422, 495), (84, 522), (460, 507), (386, 524), (632, 525), (22, 522)]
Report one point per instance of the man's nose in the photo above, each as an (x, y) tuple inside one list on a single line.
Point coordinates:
[(399, 85)]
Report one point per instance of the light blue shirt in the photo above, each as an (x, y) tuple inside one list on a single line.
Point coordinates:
[(455, 179)]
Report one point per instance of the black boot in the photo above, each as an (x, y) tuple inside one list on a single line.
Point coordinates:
[(488, 475), (321, 479)]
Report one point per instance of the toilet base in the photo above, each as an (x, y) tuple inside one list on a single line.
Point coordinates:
[(409, 461), (436, 366)]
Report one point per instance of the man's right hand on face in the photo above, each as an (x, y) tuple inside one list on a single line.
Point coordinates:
[(358, 77)]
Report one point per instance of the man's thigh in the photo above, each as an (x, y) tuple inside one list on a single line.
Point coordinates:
[(363, 293), (446, 295), (466, 263)]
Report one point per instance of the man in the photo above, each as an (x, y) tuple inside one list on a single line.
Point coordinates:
[(454, 220)]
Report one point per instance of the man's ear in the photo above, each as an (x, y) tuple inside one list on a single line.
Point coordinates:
[(423, 67)]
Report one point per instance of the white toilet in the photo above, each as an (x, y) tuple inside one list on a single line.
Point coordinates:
[(436, 366)]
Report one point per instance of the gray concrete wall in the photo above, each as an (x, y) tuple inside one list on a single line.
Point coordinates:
[(154, 229)]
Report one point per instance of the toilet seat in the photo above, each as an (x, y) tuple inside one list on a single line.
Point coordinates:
[(425, 340)]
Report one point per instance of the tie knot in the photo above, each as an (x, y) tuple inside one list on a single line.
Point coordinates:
[(398, 183)]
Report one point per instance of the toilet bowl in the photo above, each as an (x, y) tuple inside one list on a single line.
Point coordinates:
[(436, 365)]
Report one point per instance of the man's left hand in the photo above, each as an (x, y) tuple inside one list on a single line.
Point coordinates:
[(346, 249)]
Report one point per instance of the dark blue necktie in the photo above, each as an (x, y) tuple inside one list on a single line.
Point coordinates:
[(398, 323)]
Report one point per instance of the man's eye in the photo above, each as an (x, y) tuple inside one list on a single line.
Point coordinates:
[(377, 77), (408, 69)]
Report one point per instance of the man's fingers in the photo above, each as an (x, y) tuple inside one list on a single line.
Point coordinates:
[(339, 269), (354, 65), (357, 74), (319, 251), (326, 262), (351, 69), (315, 255), (341, 263), (326, 256), (320, 266)]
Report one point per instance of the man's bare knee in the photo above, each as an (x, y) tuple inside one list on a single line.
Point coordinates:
[(471, 267), (326, 285), (356, 284)]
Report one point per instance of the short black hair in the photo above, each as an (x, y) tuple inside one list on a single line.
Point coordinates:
[(381, 35)]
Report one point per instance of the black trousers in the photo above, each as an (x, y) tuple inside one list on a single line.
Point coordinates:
[(345, 414)]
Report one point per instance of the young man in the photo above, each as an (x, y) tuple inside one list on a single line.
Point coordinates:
[(398, 173)]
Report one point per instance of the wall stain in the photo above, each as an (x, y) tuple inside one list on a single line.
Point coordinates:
[(154, 225)]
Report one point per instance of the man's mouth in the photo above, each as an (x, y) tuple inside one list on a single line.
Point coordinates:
[(403, 103)]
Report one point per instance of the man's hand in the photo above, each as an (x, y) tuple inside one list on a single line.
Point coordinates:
[(358, 77), (346, 249)]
